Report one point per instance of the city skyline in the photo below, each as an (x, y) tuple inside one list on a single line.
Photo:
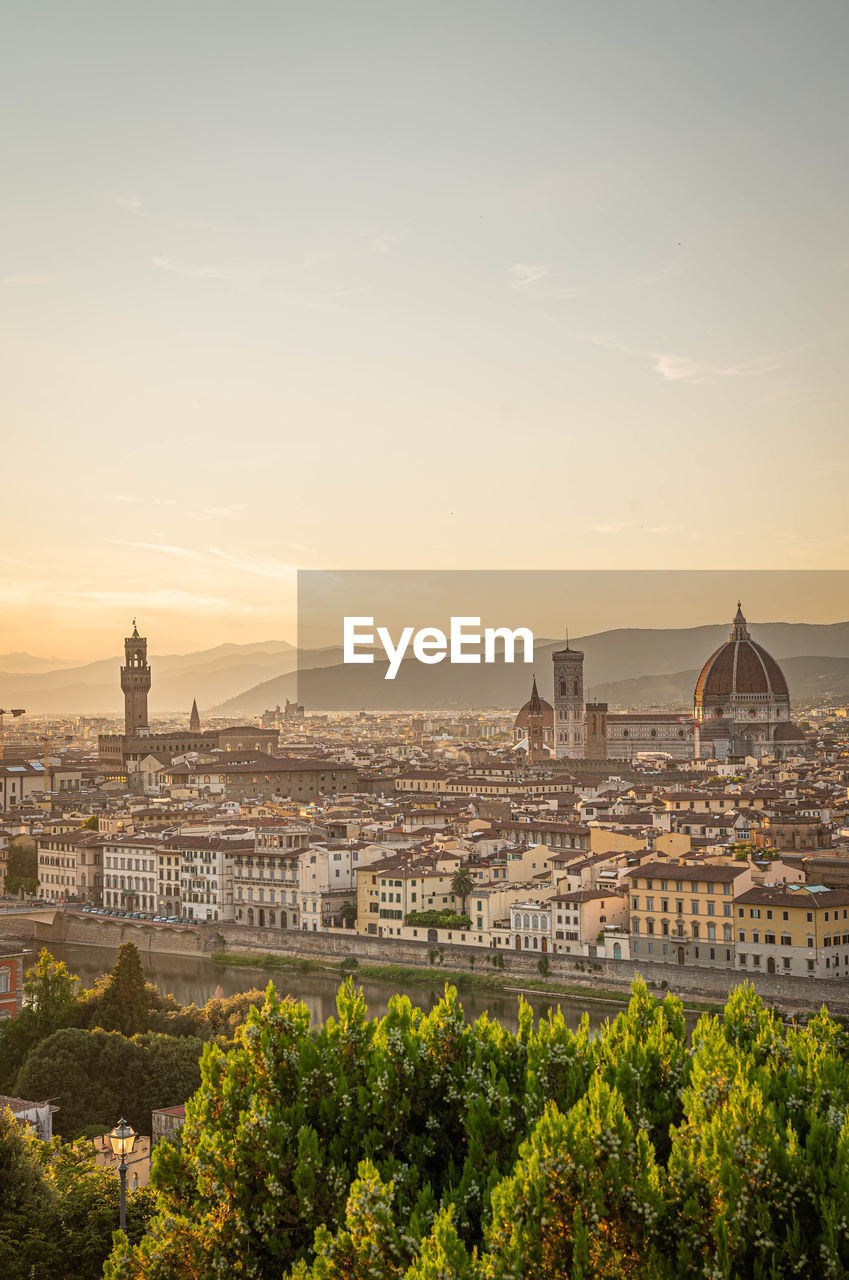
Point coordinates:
[(374, 289)]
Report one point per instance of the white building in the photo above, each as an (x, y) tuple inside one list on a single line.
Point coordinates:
[(129, 873)]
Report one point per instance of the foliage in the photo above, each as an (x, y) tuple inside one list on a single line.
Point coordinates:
[(426, 1148), (58, 1212), (123, 1000), (21, 869), (97, 1076), (438, 920), (462, 884), (49, 1003), (91, 824)]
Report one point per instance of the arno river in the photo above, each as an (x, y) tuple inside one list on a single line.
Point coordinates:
[(194, 980)]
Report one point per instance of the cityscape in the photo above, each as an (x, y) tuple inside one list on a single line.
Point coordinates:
[(424, 641)]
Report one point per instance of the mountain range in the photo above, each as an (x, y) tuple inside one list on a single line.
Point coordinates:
[(624, 667)]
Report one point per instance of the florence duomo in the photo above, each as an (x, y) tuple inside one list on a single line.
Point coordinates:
[(741, 707)]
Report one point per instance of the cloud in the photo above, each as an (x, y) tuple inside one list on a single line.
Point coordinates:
[(229, 274), (224, 512), (129, 204), (262, 568), (386, 240), (524, 275), (153, 502), (538, 281), (185, 553), (168, 599)]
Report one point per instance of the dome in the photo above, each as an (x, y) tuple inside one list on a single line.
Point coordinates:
[(521, 721), (740, 668), (788, 732)]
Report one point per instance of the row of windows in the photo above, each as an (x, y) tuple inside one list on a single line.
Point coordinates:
[(679, 906), (693, 886)]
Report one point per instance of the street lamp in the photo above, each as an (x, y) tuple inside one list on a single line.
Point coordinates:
[(122, 1138)]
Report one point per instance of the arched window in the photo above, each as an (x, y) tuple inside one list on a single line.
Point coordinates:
[(527, 943), (527, 922), (575, 688), (535, 924), (543, 922)]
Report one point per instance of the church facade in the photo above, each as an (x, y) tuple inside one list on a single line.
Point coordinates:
[(741, 707)]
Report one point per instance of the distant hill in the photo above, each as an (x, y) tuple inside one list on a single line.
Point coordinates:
[(671, 657), (208, 675), (810, 679), (21, 663)]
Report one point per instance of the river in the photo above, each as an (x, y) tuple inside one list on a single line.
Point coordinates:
[(195, 979)]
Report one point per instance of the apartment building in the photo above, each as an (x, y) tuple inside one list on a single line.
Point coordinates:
[(265, 878), (581, 916), (684, 914), (70, 866), (797, 929), (206, 874), (130, 872)]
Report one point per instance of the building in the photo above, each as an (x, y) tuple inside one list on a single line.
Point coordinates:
[(135, 684), (684, 913), (166, 1121), (265, 880), (35, 1116), (11, 980), (70, 866), (207, 874), (568, 703), (582, 916), (536, 728), (741, 703), (120, 754), (520, 724), (130, 873), (795, 929), (631, 734)]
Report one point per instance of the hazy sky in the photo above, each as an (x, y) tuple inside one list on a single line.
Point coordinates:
[(337, 285)]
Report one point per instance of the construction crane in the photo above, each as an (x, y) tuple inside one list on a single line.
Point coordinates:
[(15, 711)]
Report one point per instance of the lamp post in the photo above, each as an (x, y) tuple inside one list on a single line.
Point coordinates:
[(122, 1139)]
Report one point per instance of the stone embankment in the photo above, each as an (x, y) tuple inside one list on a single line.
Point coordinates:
[(594, 975)]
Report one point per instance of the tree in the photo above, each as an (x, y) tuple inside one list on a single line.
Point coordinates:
[(123, 1002), (26, 1206), (21, 870), (91, 824), (49, 1004), (583, 1200), (462, 884), (97, 1076)]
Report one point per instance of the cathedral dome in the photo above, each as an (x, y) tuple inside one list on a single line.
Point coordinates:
[(740, 669), (521, 721)]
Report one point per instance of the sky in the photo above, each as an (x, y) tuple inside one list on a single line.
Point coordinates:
[(380, 285)]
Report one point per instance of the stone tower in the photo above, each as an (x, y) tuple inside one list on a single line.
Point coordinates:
[(568, 703), (596, 731), (194, 718), (536, 748), (135, 682)]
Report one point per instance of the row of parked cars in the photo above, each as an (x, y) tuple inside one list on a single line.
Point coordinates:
[(132, 915)]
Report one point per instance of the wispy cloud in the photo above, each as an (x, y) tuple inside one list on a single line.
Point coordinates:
[(184, 553), (539, 282), (224, 513), (386, 240), (35, 278), (136, 207), (168, 599), (523, 276), (145, 502), (262, 568), (231, 275)]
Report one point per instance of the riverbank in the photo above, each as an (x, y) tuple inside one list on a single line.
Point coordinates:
[(468, 967), (462, 979)]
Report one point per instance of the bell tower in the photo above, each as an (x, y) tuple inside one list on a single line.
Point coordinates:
[(135, 682), (568, 703)]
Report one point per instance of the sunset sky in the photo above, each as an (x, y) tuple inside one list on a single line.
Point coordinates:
[(383, 285)]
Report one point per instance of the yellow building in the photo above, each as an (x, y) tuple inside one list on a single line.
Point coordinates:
[(796, 929), (684, 914)]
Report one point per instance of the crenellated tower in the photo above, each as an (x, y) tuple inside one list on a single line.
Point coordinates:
[(135, 683)]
